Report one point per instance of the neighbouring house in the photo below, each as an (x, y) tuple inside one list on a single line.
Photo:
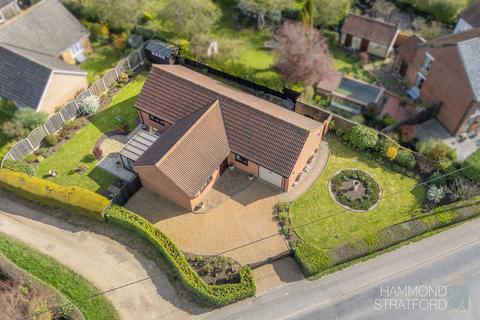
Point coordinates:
[(445, 72), (365, 34), (8, 9), (405, 54), (350, 95), (38, 51), (469, 18), (205, 127)]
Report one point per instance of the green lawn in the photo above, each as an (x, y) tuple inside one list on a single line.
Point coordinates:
[(104, 57), (349, 65), (317, 203), (78, 150), (68, 283)]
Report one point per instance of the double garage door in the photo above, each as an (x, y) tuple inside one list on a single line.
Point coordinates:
[(271, 177)]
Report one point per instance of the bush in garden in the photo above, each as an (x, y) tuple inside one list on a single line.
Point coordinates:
[(89, 105), (97, 153), (363, 137), (333, 38), (391, 153), (462, 189), (406, 159), (51, 140), (22, 122), (14, 129), (19, 166), (31, 157), (123, 78), (436, 194), (437, 150), (388, 121), (471, 167)]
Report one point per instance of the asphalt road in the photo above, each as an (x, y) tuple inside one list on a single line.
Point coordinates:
[(436, 278)]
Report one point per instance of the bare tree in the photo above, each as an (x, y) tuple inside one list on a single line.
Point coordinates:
[(302, 54)]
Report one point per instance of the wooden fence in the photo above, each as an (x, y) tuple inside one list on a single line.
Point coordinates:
[(70, 110)]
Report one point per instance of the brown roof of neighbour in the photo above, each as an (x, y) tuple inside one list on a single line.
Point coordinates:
[(409, 48), (472, 15), (191, 149), (452, 39), (260, 131), (370, 29)]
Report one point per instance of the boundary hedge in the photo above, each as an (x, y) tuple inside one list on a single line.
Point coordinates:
[(51, 194), (314, 260), (215, 295)]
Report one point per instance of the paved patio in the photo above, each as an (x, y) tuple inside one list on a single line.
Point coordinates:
[(239, 223), (464, 147)]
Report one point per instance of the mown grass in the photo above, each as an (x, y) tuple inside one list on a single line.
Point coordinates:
[(78, 150), (333, 224), (103, 57), (71, 285)]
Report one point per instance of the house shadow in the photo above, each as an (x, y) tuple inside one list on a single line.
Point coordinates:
[(163, 278)]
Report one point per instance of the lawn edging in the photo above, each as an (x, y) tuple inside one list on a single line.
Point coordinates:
[(82, 294), (215, 295), (51, 194), (314, 261)]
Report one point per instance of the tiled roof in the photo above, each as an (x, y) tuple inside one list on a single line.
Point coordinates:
[(472, 14), (370, 29), (47, 27), (470, 54), (191, 149), (4, 3), (138, 145), (408, 49), (258, 130)]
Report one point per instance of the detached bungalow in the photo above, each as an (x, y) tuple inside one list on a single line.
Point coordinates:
[(469, 18), (38, 50), (8, 9), (445, 71), (368, 35), (206, 126)]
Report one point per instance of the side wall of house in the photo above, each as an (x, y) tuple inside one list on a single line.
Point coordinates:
[(378, 49), (446, 86), (311, 145), (87, 48), (145, 118), (61, 89), (252, 168)]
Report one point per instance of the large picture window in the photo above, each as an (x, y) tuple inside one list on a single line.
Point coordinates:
[(76, 49), (241, 159), (157, 120)]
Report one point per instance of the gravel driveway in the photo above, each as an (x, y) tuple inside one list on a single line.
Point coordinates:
[(104, 262)]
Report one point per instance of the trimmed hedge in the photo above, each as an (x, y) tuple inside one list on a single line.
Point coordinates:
[(314, 261), (53, 195), (19, 166), (472, 165), (216, 295)]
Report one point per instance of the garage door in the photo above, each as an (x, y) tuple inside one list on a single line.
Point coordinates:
[(271, 177)]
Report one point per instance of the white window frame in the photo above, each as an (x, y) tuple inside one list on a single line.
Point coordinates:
[(76, 49), (427, 63), (417, 81)]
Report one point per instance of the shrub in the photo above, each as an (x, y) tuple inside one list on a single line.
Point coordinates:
[(363, 137), (471, 167), (97, 153), (51, 140), (53, 195), (333, 39), (436, 194), (391, 153), (437, 150), (389, 121), (29, 118), (31, 157), (406, 159), (462, 189), (14, 129), (19, 166), (119, 41), (89, 105), (311, 259), (123, 77), (216, 295)]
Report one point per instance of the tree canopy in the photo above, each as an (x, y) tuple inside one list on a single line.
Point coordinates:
[(330, 13)]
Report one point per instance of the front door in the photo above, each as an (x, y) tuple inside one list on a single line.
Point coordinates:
[(348, 40), (364, 45)]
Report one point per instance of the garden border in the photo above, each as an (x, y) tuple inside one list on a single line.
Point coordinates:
[(346, 207)]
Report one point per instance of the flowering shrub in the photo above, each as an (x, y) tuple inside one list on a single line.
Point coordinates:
[(97, 153), (391, 153), (436, 194), (89, 105)]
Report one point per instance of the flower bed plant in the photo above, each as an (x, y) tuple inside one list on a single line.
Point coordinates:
[(355, 190)]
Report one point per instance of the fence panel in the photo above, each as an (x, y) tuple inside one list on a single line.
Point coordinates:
[(82, 95), (97, 89), (109, 78), (134, 59), (122, 66), (36, 136), (69, 111), (21, 149), (54, 123)]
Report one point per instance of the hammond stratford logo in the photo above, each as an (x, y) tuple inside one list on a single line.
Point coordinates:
[(423, 298)]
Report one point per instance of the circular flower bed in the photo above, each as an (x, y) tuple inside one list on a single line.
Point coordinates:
[(355, 190)]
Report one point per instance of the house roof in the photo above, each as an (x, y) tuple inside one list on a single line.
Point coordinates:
[(408, 49), (470, 54), (138, 145), (258, 130), (191, 149), (370, 29), (47, 27), (4, 3), (472, 14)]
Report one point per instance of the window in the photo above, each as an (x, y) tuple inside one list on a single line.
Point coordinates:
[(427, 64), (241, 159), (157, 120), (76, 49), (419, 82)]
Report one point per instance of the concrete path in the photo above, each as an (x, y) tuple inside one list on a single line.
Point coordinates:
[(318, 165), (450, 259), (101, 260)]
